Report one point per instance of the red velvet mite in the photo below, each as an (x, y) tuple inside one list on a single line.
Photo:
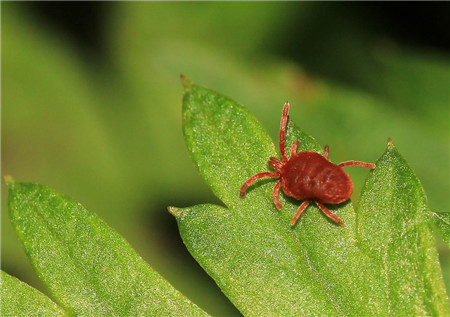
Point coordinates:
[(308, 176)]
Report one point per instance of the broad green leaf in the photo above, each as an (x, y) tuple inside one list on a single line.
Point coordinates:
[(88, 267), (265, 266), (395, 229), (20, 299), (442, 223), (260, 262)]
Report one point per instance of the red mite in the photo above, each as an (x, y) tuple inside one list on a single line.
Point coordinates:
[(308, 176)]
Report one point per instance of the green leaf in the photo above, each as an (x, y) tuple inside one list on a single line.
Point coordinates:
[(88, 268), (260, 262), (265, 266), (442, 223), (395, 228), (20, 299)]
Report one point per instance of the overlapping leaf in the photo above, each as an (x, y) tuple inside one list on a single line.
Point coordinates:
[(395, 227)]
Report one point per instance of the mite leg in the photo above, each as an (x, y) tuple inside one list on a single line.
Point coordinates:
[(275, 160), (275, 163), (283, 132), (330, 214), (357, 163), (254, 178), (294, 148), (276, 191), (327, 150), (299, 211)]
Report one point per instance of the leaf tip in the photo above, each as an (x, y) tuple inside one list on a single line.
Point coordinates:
[(390, 144), (176, 212), (9, 180), (186, 82)]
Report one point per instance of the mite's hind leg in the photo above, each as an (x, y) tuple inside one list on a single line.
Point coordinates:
[(299, 211), (330, 214)]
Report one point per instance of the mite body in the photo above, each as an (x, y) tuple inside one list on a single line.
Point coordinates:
[(308, 176)]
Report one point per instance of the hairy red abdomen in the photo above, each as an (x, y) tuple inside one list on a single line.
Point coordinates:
[(310, 176)]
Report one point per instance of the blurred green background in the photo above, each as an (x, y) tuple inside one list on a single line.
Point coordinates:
[(91, 103)]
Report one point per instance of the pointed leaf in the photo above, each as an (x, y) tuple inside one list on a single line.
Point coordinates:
[(221, 135), (88, 267), (260, 262), (395, 229), (265, 266), (19, 299)]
